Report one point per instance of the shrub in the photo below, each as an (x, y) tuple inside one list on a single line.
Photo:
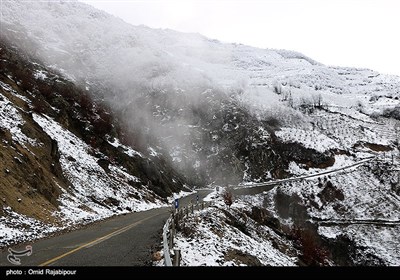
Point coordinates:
[(228, 197), (85, 102), (313, 253), (38, 105), (44, 89), (102, 121)]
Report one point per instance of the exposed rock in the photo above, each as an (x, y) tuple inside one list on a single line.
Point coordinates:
[(330, 193), (239, 257)]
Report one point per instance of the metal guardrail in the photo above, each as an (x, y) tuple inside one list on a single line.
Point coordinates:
[(167, 256), (276, 182), (169, 230)]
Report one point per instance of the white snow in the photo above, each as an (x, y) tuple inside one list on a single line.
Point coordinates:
[(366, 198), (214, 194), (40, 75), (341, 161), (213, 238), (128, 150), (91, 184), (102, 45), (382, 242), (178, 195), (9, 89), (329, 232), (153, 152), (11, 120), (15, 227), (308, 138)]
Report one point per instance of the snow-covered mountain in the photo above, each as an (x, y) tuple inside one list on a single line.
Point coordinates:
[(153, 76), (190, 111), (63, 163), (101, 46)]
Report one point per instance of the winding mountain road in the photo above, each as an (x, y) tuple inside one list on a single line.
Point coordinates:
[(266, 186), (126, 240), (348, 222)]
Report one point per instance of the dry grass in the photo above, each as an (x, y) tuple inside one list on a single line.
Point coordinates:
[(27, 184)]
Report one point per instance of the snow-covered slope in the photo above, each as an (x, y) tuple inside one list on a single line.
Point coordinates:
[(92, 193), (212, 237), (77, 38), (58, 170), (157, 81)]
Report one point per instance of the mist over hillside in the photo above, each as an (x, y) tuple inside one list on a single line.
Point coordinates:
[(127, 64)]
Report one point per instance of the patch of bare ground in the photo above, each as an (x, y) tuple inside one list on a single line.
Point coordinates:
[(241, 258)]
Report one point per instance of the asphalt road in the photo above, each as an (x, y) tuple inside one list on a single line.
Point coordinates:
[(126, 240)]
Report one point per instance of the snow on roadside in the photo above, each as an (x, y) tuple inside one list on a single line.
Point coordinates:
[(214, 194), (181, 194), (212, 241), (15, 227)]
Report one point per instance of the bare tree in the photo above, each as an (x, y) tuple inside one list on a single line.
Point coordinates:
[(277, 86), (228, 197), (317, 100), (290, 99)]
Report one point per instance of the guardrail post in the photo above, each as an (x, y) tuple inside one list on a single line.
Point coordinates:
[(191, 207), (177, 257), (171, 237)]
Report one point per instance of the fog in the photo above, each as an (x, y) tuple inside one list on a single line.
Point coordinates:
[(124, 65), (154, 80)]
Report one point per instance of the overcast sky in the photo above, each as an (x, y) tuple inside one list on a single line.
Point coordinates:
[(361, 33)]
